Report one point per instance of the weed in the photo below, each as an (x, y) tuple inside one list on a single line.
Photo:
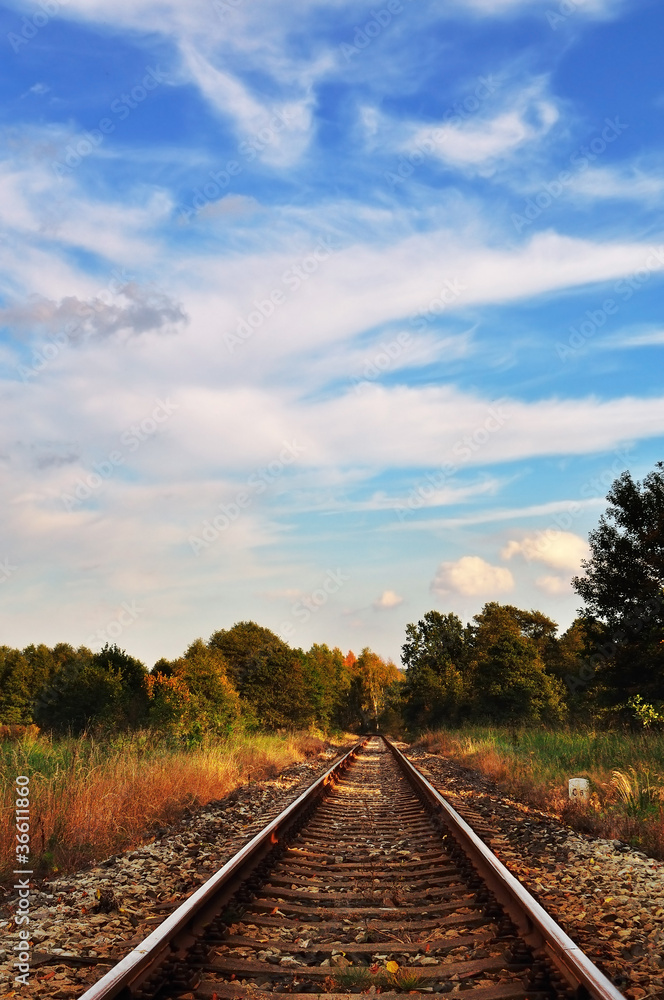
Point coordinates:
[(626, 770), (91, 797), (353, 976), (637, 793)]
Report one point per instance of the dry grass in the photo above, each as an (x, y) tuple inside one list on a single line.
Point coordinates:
[(625, 770), (89, 799)]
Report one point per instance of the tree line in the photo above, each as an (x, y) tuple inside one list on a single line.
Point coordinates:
[(508, 665), (245, 675)]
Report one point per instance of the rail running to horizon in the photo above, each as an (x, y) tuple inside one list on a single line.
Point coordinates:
[(369, 881)]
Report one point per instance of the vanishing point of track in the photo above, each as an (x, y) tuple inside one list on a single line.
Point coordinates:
[(368, 882)]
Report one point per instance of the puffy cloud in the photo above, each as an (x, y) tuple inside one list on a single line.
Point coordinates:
[(558, 549), (471, 576), (388, 600), (553, 585)]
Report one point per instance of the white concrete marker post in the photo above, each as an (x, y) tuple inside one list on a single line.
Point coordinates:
[(579, 788)]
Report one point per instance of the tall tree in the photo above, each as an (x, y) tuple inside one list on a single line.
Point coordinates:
[(374, 677), (193, 694), (508, 678), (510, 684), (328, 679), (16, 692), (434, 656), (623, 589), (92, 689), (268, 674), (241, 644)]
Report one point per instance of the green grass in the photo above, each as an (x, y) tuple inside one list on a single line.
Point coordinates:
[(89, 797), (625, 770)]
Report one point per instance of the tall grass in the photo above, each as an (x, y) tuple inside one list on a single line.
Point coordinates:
[(625, 770), (90, 798)]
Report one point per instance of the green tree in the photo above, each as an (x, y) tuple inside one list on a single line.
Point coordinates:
[(270, 675), (510, 684), (16, 693), (328, 679), (170, 708), (434, 655), (374, 678), (91, 689), (623, 590), (276, 688), (541, 629), (239, 646), (193, 695), (508, 678)]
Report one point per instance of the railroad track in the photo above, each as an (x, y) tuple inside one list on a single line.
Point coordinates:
[(370, 881)]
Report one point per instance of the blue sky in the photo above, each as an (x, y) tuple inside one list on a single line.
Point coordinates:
[(323, 315)]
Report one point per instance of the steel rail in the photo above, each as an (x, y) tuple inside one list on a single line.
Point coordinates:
[(178, 932), (534, 925)]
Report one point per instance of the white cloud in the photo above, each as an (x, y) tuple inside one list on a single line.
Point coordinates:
[(553, 585), (627, 183), (483, 139), (639, 337), (591, 8), (495, 122), (388, 600), (471, 576), (558, 549), (502, 514)]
